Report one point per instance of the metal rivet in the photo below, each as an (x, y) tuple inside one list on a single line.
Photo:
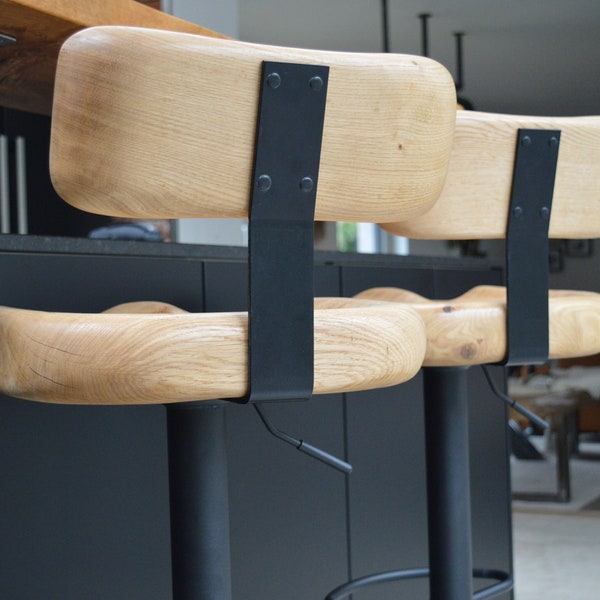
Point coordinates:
[(553, 142), (526, 141), (517, 212), (274, 80), (306, 184), (316, 83), (264, 183), (545, 212)]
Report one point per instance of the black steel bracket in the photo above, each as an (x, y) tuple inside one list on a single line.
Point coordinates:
[(281, 231), (527, 246)]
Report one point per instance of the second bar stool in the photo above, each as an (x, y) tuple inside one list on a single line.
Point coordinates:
[(523, 179)]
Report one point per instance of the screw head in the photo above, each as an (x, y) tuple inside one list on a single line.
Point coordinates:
[(306, 184), (517, 212), (273, 80), (545, 212), (526, 141), (263, 183), (553, 142), (316, 83)]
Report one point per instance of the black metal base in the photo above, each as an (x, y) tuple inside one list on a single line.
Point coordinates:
[(450, 569), (448, 483), (199, 497)]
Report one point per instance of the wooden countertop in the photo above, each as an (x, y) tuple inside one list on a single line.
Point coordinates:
[(27, 67)]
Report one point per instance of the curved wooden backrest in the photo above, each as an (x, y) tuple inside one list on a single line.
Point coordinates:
[(159, 124), (474, 202)]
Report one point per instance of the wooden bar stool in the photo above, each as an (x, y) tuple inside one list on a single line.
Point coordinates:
[(156, 124), (522, 179)]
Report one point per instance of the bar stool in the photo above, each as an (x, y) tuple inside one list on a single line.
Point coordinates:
[(165, 125), (525, 180)]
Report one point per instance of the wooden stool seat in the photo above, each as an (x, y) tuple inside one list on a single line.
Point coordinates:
[(471, 329), (127, 357)]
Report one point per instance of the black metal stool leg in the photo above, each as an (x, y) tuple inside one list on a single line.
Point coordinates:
[(200, 553), (448, 483)]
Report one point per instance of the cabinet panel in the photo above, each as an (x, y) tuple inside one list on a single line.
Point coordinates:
[(85, 492), (27, 139)]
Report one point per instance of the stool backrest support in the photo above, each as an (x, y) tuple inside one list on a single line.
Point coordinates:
[(474, 202), (160, 124)]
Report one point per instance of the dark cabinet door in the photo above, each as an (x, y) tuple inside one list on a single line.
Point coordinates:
[(28, 202)]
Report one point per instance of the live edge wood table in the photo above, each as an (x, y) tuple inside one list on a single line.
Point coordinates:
[(39, 27), (84, 495)]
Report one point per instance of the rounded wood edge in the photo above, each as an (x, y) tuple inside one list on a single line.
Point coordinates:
[(159, 357), (471, 329), (475, 198), (386, 142)]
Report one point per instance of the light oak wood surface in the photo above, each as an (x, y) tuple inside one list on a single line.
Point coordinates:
[(471, 329), (159, 124), (475, 199), (40, 27), (152, 353)]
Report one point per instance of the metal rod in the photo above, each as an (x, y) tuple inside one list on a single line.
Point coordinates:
[(4, 186), (200, 550), (21, 169), (459, 60), (424, 33), (385, 25), (563, 475), (448, 483)]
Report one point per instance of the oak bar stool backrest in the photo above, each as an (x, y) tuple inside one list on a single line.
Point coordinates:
[(474, 203), (165, 123)]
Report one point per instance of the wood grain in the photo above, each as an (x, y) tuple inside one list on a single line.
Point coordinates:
[(27, 68), (471, 329), (153, 353), (150, 123), (474, 202)]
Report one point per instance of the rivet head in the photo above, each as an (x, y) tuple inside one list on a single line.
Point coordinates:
[(517, 212), (545, 212), (273, 80), (526, 141), (263, 183), (306, 184), (553, 142), (316, 83)]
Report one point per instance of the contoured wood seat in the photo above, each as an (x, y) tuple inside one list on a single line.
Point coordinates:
[(471, 329), (155, 354), (160, 124)]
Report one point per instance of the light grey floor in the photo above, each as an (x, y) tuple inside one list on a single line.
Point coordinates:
[(556, 556), (557, 546)]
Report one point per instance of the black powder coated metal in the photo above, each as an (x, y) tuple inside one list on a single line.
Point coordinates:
[(199, 501), (448, 483), (527, 246), (281, 231)]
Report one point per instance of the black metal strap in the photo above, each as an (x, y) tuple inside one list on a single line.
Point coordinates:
[(527, 246), (281, 231)]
